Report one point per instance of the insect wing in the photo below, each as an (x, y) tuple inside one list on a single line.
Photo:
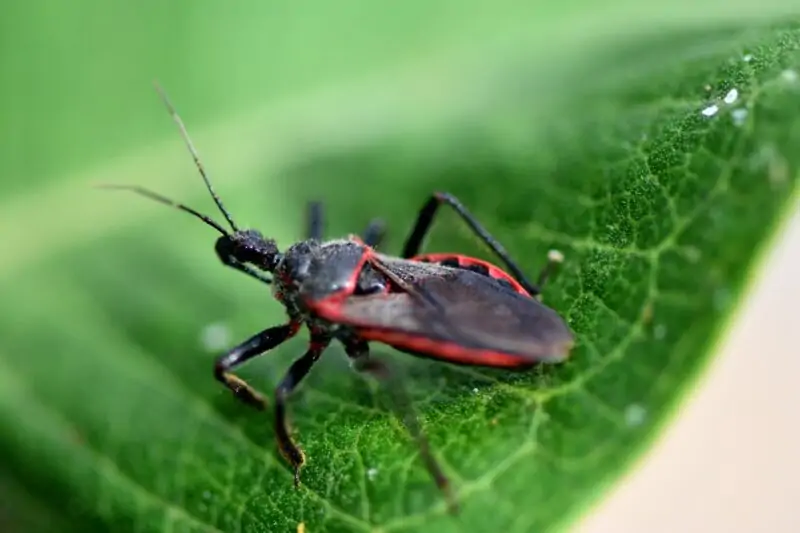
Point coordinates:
[(462, 316)]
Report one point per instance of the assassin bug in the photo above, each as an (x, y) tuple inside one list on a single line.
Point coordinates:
[(449, 307)]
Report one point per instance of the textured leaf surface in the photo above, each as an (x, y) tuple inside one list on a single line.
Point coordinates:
[(659, 186)]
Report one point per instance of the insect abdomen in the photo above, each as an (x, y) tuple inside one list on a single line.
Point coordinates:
[(474, 265)]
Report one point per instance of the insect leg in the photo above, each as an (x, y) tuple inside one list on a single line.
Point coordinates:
[(374, 233), (315, 221), (554, 257), (358, 351), (252, 347), (423, 224), (291, 380), (250, 271)]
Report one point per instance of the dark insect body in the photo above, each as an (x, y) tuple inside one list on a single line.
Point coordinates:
[(449, 307)]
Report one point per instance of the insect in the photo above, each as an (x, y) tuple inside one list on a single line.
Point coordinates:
[(449, 307)]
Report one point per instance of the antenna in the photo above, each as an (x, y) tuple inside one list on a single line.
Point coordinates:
[(195, 156), (164, 200)]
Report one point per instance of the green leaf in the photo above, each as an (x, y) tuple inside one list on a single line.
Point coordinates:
[(21, 512), (110, 416)]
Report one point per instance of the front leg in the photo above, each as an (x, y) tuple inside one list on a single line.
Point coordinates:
[(358, 351), (299, 370), (252, 347)]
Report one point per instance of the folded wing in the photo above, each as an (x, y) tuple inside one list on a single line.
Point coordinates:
[(461, 316)]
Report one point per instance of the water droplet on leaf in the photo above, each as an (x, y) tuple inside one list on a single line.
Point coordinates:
[(710, 111), (635, 414), (215, 337), (732, 96), (739, 115)]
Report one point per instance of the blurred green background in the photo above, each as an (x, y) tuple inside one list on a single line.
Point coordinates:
[(574, 125)]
